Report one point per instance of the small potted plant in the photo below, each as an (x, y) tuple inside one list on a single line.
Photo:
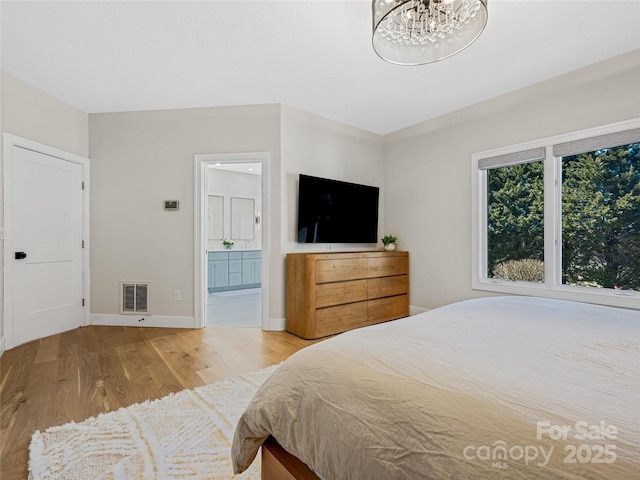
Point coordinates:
[(389, 242), (227, 243)]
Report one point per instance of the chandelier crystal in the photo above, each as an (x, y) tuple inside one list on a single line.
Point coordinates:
[(415, 32)]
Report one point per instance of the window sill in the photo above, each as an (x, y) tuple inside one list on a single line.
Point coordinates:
[(621, 298)]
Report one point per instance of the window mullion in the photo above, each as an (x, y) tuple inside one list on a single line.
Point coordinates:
[(550, 215), (482, 212), (555, 220)]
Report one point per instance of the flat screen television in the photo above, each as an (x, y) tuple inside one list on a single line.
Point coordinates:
[(332, 211)]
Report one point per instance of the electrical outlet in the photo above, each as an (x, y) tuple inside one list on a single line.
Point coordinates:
[(177, 295)]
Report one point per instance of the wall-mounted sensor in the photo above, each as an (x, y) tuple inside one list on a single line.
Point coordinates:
[(171, 204)]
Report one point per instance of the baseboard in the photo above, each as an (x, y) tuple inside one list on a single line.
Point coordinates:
[(416, 310), (3, 346), (277, 324), (142, 321)]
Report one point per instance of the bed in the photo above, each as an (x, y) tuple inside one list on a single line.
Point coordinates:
[(501, 387)]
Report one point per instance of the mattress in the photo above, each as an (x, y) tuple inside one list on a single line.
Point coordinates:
[(513, 387)]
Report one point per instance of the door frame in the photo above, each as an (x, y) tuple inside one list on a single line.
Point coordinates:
[(201, 164), (11, 141)]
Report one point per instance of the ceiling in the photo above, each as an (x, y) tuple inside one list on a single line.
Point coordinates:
[(107, 56)]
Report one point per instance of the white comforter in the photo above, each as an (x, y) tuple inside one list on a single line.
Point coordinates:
[(517, 387)]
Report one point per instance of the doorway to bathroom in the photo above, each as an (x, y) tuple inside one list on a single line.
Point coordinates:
[(232, 235)]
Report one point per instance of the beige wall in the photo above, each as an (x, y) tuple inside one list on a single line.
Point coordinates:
[(428, 166), (32, 114), (140, 159), (316, 146)]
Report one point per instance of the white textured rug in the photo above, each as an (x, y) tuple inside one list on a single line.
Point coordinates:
[(187, 434)]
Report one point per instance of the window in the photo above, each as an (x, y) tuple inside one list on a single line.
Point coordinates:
[(560, 217), (515, 222), (601, 218)]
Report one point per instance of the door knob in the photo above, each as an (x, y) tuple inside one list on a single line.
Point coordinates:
[(20, 255)]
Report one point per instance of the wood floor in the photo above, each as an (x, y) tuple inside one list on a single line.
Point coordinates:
[(87, 371)]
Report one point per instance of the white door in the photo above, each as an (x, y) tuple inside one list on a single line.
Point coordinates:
[(46, 226)]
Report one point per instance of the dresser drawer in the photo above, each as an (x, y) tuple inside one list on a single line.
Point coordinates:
[(340, 270), (383, 309), (387, 266), (332, 320), (387, 286), (339, 293)]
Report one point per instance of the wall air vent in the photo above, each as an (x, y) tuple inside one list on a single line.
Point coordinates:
[(134, 298)]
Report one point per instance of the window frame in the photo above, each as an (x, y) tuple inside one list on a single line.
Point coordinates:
[(552, 286)]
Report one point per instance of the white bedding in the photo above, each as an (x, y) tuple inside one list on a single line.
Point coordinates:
[(431, 395)]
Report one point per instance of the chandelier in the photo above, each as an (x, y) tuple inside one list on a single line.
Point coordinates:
[(415, 32)]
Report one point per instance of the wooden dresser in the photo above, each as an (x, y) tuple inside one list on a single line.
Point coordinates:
[(329, 293)]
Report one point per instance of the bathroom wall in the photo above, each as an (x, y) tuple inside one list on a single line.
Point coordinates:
[(235, 184)]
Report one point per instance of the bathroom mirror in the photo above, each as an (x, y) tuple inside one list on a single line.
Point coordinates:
[(216, 217), (242, 218)]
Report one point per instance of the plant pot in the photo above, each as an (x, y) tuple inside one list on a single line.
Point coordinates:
[(390, 247)]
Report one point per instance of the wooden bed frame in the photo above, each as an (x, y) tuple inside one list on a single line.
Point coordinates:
[(278, 464)]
